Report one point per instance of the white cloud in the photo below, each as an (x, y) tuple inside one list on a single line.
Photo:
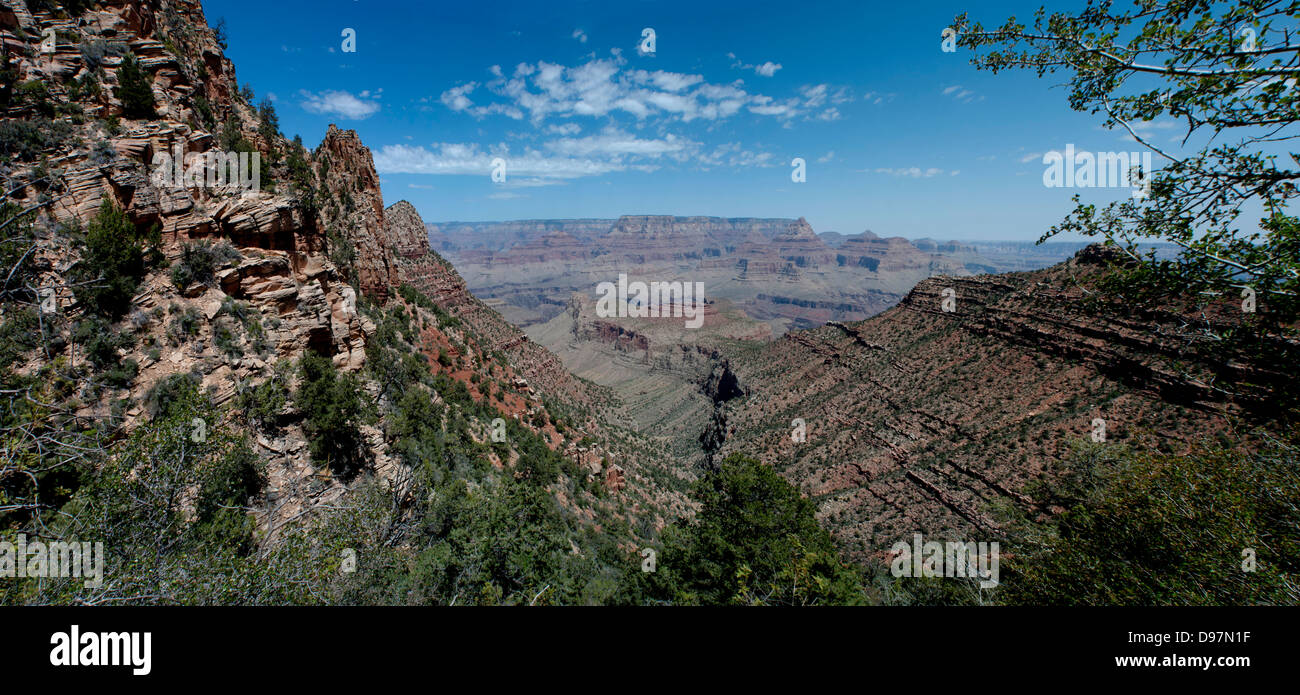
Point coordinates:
[(580, 35), (827, 157), (340, 103), (470, 159), (765, 69), (457, 98), (915, 172), (563, 128), (614, 143), (602, 87), (732, 154)]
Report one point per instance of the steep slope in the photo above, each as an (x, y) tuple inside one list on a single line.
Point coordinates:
[(921, 420), (234, 293), (593, 413)]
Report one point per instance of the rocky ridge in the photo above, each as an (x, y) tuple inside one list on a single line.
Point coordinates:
[(923, 420)]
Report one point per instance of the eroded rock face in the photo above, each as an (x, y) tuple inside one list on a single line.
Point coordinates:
[(918, 419), (776, 270), (406, 233), (349, 176), (275, 273)]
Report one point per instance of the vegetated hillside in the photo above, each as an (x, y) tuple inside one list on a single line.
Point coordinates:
[(926, 421), (775, 270), (268, 395)]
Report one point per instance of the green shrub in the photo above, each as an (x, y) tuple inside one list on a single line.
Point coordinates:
[(25, 139), (184, 324), (100, 342), (95, 52), (332, 408), (755, 540), (225, 339), (263, 403), (203, 108), (169, 395), (114, 261), (1148, 528), (199, 262), (268, 127)]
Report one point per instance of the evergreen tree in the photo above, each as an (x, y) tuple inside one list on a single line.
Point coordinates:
[(114, 262), (135, 89)]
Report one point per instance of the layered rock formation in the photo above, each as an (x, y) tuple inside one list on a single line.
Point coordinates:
[(922, 419), (293, 257), (777, 270)]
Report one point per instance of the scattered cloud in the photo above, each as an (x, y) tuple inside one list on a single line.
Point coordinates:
[(764, 69), (580, 35), (563, 158), (961, 94), (826, 157), (457, 99), (569, 128), (603, 87), (613, 143), (341, 103)]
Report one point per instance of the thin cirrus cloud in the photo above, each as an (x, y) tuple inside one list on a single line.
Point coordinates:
[(449, 158), (342, 104), (611, 150), (916, 172), (960, 93)]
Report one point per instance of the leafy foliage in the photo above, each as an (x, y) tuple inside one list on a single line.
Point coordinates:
[(1189, 60), (1160, 529), (25, 139), (1226, 72), (754, 541)]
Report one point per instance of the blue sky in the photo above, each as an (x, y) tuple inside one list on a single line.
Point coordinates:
[(898, 136)]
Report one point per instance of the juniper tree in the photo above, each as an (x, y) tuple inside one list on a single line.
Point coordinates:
[(134, 90)]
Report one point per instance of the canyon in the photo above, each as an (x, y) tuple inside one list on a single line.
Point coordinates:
[(775, 270)]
